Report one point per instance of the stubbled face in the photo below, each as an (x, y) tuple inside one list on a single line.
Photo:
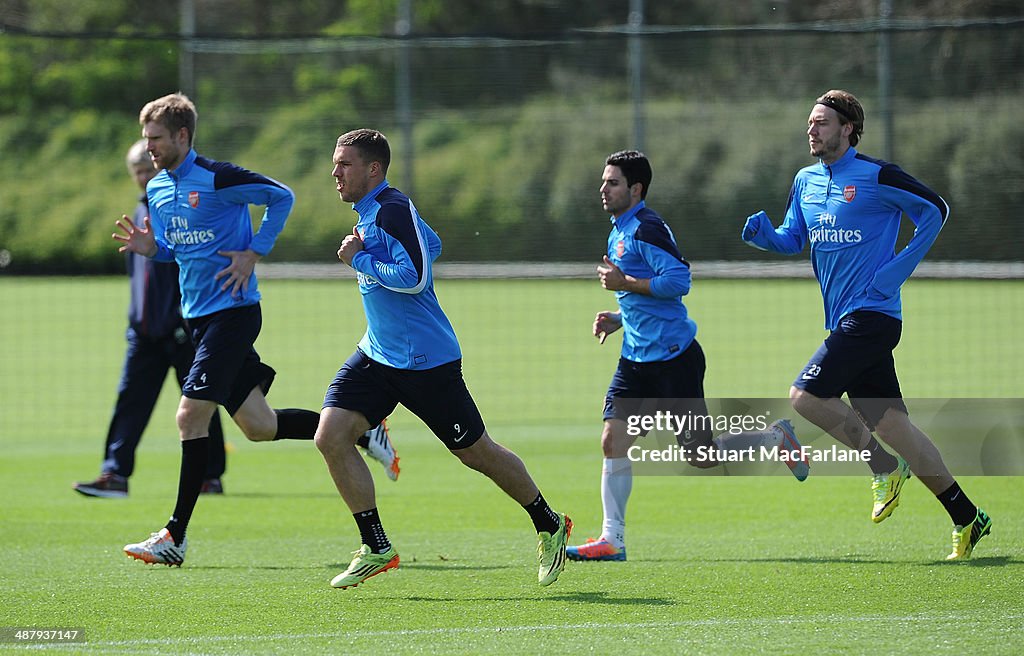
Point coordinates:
[(143, 173), (826, 136), (351, 174), (616, 197), (167, 150)]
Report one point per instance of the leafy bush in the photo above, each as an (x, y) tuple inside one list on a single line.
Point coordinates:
[(513, 183)]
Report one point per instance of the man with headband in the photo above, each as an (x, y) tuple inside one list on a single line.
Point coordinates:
[(849, 208)]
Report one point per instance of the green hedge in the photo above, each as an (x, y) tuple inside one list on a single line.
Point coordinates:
[(511, 183)]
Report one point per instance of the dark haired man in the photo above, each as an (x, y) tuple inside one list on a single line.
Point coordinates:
[(849, 208), (662, 365)]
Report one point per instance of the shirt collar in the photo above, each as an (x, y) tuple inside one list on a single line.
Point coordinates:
[(843, 161), (621, 221), (365, 202), (186, 165)]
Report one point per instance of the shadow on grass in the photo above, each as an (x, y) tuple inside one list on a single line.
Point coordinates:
[(449, 566), (268, 568), (852, 559), (989, 561), (337, 567), (274, 495), (600, 597)]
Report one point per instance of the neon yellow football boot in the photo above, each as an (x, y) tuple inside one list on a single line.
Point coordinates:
[(364, 565), (965, 537), (886, 490), (551, 551)]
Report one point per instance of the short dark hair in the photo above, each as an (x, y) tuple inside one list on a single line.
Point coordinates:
[(848, 108), (174, 111), (371, 144), (634, 166)]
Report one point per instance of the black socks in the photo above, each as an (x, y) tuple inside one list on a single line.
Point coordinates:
[(881, 461), (194, 456), (959, 507), (544, 518), (296, 424), (371, 532)]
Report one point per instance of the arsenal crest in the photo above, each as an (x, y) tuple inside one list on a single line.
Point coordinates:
[(193, 198), (849, 192), (620, 248)]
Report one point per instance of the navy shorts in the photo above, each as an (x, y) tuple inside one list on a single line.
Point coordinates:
[(227, 368), (856, 359), (438, 396), (676, 386)]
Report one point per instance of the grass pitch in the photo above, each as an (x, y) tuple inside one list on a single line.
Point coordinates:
[(716, 565)]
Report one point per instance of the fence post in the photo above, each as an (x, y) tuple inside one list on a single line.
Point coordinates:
[(885, 78), (186, 32), (636, 70), (403, 93)]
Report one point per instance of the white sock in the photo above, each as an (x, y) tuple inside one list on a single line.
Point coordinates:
[(742, 441), (616, 484)]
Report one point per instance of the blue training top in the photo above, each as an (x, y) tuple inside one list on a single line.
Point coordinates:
[(405, 325), (850, 212), (655, 327), (203, 207)]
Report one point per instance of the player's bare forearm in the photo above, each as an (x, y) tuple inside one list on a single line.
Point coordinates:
[(614, 280), (637, 285)]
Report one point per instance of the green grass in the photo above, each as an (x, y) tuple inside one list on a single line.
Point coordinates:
[(717, 564)]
